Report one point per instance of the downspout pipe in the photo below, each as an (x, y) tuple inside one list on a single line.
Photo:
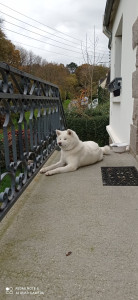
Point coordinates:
[(108, 33), (107, 13)]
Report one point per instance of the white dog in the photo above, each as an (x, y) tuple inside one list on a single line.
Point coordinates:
[(75, 153)]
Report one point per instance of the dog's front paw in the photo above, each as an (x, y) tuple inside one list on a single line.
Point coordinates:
[(49, 173), (43, 170)]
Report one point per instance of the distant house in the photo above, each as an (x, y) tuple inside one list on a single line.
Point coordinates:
[(120, 25), (103, 82)]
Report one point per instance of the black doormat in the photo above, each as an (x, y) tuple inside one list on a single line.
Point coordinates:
[(124, 176)]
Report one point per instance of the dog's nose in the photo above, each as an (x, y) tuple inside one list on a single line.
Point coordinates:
[(60, 144)]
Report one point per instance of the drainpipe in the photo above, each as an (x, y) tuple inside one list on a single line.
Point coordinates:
[(108, 33), (108, 9)]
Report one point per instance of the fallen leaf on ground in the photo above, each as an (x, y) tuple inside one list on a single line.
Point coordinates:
[(69, 253)]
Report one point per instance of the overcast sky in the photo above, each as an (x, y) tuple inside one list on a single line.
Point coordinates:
[(59, 31)]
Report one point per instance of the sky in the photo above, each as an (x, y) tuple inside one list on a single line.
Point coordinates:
[(59, 31)]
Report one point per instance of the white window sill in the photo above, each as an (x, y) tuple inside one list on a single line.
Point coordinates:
[(112, 134), (116, 99)]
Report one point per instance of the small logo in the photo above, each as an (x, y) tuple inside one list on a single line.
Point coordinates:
[(9, 290)]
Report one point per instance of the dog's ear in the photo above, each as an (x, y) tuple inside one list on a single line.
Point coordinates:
[(69, 131), (58, 132)]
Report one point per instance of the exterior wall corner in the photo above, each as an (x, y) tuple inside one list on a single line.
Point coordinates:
[(137, 57), (134, 139), (135, 34), (135, 84), (134, 126)]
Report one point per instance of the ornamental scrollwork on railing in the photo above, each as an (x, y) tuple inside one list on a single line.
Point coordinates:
[(30, 112)]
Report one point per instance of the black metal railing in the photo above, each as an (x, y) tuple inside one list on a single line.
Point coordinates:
[(30, 111)]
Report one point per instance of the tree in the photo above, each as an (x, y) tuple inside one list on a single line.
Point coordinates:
[(71, 80), (72, 67), (82, 76), (23, 56), (92, 60), (84, 79), (71, 86), (8, 52)]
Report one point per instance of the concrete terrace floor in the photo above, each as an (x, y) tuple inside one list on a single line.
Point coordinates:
[(72, 212)]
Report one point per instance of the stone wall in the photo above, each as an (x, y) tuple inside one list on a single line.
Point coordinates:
[(134, 126)]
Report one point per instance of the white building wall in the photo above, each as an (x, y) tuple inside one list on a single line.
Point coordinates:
[(121, 107)]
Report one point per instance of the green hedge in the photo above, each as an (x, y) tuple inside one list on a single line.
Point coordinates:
[(89, 128), (100, 110)]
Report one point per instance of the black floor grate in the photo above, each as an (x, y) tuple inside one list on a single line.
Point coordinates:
[(123, 176)]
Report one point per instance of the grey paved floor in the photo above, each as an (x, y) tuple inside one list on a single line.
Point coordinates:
[(72, 212)]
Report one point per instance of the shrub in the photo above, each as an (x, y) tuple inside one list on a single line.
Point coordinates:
[(100, 110), (89, 128), (66, 104), (103, 95)]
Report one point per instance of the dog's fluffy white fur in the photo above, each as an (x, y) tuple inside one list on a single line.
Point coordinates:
[(75, 153)]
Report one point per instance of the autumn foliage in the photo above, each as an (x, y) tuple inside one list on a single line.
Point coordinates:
[(71, 78)]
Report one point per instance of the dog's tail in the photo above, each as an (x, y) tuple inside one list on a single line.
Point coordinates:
[(106, 150)]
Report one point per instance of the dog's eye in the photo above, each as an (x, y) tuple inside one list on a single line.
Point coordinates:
[(65, 139)]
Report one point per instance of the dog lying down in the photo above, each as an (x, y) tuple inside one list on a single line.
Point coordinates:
[(75, 153)]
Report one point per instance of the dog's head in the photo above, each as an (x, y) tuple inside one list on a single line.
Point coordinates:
[(67, 139)]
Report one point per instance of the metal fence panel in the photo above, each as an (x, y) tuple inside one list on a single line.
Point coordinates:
[(30, 112)]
